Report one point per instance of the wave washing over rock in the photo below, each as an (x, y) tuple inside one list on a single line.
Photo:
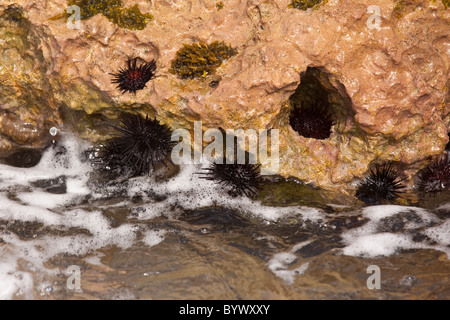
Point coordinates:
[(38, 214), (82, 217)]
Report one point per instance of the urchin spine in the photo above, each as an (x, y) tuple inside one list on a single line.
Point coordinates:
[(134, 78), (382, 184), (138, 145)]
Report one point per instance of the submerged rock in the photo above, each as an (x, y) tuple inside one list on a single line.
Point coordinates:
[(385, 78), (25, 158), (57, 185)]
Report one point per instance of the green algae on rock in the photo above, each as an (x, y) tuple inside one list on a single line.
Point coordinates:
[(404, 7), (200, 59), (132, 18), (90, 8), (371, 85), (127, 18), (304, 4), (219, 5)]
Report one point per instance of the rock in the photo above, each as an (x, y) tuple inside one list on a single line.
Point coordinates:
[(215, 216), (25, 158), (386, 80), (27, 109), (57, 185)]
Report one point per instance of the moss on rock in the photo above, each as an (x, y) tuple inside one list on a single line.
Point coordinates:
[(198, 60), (127, 18), (304, 4)]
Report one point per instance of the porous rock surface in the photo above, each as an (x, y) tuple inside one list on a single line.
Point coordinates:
[(388, 86)]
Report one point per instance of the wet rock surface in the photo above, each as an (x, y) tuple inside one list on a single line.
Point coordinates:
[(386, 84), (55, 186), (24, 158), (27, 108)]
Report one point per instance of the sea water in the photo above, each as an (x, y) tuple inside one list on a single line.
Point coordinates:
[(37, 226)]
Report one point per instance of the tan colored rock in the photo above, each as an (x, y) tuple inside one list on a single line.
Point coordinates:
[(27, 108), (389, 87)]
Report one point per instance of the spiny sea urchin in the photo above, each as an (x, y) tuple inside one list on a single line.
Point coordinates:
[(239, 178), (139, 145), (382, 184), (312, 122), (134, 78), (435, 177)]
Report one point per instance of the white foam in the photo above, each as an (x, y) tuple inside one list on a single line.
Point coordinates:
[(368, 241), (380, 244), (44, 199), (95, 260), (62, 212), (189, 191), (440, 234), (280, 262), (13, 282), (48, 209), (50, 165), (153, 237), (376, 213), (12, 210)]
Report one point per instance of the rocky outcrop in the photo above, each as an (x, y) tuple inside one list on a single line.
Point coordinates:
[(27, 107), (383, 69)]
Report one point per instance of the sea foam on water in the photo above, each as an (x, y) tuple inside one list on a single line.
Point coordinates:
[(23, 256), (21, 202)]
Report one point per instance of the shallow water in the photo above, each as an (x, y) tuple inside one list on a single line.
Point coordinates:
[(185, 238)]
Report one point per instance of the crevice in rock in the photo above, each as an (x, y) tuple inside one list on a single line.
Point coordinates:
[(319, 106)]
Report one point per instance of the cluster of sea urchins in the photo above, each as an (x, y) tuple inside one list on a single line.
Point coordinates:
[(240, 179), (381, 185), (139, 144), (313, 121)]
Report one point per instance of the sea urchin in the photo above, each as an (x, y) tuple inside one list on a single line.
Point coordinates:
[(134, 78), (139, 145), (312, 122), (435, 177), (382, 184), (239, 178)]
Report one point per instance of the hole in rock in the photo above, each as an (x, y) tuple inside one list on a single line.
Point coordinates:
[(318, 105)]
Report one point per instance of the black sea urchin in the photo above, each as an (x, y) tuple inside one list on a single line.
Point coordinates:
[(134, 78), (435, 177), (382, 184), (312, 122), (240, 178), (139, 145)]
